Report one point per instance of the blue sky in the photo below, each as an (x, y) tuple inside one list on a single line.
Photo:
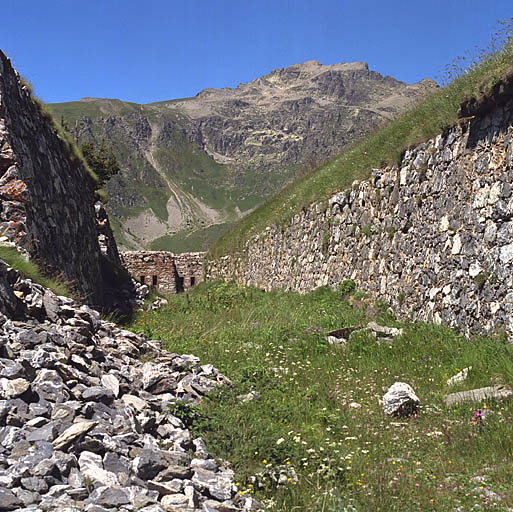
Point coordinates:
[(151, 50)]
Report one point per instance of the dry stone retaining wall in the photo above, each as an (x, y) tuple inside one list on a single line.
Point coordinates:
[(46, 201), (166, 271), (433, 237)]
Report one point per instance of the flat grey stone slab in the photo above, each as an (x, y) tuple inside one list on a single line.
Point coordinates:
[(477, 395)]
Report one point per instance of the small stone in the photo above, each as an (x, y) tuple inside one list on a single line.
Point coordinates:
[(151, 375), (78, 493), (400, 400), (10, 435), (246, 503), (252, 395), (459, 377), (34, 484), (13, 388), (141, 497), (37, 422), (76, 479), (72, 433), (11, 369), (49, 385), (109, 497), (148, 464), (506, 253), (218, 485), (44, 468), (42, 359), (112, 383), (64, 462), (51, 305), (8, 501), (47, 432), (98, 394), (153, 508), (175, 486), (174, 502), (174, 471), (191, 494), (28, 497), (8, 480), (57, 490), (381, 330), (208, 464), (113, 463), (134, 401), (91, 466)]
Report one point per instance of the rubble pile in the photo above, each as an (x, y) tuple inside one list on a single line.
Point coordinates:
[(84, 413)]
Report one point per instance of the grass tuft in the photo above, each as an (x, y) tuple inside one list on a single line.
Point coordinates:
[(30, 270)]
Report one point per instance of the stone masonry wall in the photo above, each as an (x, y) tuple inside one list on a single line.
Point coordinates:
[(166, 271), (432, 237), (46, 201)]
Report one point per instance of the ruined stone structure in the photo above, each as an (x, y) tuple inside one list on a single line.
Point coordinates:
[(433, 237), (166, 271), (46, 195)]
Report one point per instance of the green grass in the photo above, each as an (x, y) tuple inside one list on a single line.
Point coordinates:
[(424, 121), (190, 241), (343, 455), (30, 270), (93, 108)]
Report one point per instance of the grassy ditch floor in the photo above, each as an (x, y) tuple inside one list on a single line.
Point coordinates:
[(317, 439)]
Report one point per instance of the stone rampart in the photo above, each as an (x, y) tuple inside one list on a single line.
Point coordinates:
[(166, 271), (433, 236), (46, 196)]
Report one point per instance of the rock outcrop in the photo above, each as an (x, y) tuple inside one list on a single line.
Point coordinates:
[(85, 424), (212, 158)]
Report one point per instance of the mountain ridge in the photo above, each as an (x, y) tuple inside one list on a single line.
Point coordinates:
[(194, 164)]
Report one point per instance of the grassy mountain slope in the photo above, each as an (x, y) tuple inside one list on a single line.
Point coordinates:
[(195, 163), (167, 184)]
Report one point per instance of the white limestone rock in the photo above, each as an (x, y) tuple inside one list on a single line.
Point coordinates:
[(72, 433), (400, 400), (459, 377)]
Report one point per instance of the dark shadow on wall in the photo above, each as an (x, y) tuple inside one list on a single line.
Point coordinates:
[(485, 114), (178, 280)]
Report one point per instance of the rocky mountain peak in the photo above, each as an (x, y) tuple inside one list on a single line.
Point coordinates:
[(206, 161)]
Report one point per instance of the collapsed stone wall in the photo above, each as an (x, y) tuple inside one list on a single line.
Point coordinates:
[(46, 198), (433, 237), (166, 271)]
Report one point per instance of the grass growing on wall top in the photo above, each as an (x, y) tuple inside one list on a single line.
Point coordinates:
[(69, 146), (319, 416), (30, 270), (424, 121)]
